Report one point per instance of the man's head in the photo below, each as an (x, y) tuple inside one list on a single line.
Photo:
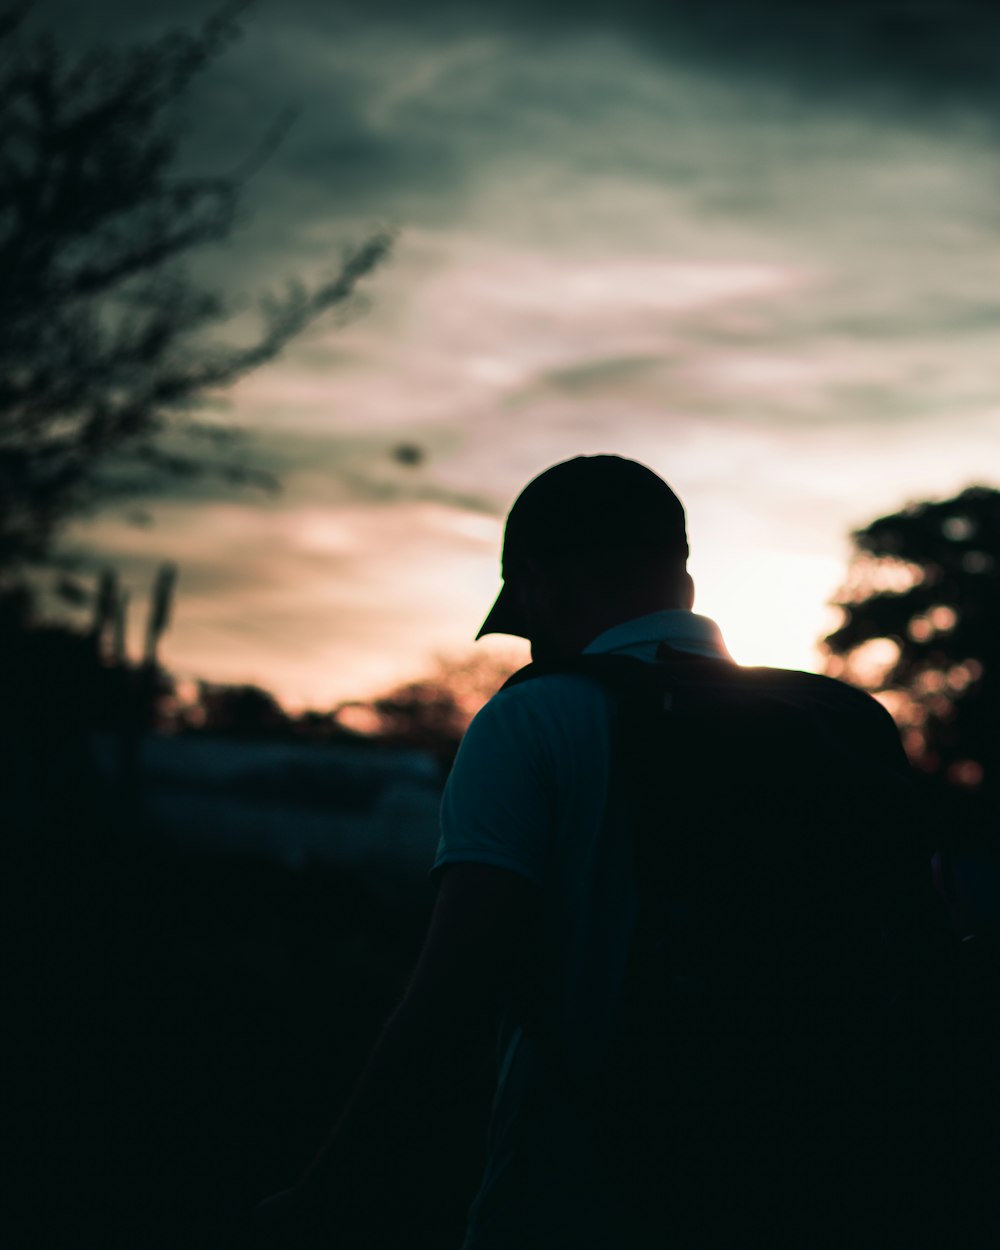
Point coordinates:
[(589, 543)]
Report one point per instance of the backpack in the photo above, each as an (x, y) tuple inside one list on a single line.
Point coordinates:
[(766, 1081)]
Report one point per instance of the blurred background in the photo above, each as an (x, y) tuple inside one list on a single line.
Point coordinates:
[(296, 298)]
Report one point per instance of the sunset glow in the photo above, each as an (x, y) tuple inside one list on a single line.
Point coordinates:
[(779, 301)]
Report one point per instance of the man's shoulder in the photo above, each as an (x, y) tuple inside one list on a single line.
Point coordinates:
[(538, 728), (551, 708), (545, 693)]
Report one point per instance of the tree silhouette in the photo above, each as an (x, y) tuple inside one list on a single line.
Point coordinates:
[(106, 351), (433, 712), (921, 630), (244, 711)]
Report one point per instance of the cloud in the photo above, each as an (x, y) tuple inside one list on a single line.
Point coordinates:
[(752, 245), (905, 56), (312, 468), (598, 376), (918, 55), (320, 603)]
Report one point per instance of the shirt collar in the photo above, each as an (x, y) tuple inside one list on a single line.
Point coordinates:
[(686, 631)]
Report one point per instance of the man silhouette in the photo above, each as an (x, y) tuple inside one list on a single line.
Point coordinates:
[(594, 563), (538, 910)]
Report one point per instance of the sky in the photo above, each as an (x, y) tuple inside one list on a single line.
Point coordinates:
[(753, 245)]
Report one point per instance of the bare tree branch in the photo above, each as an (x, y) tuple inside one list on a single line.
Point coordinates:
[(105, 349)]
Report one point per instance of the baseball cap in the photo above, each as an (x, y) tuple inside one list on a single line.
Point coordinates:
[(588, 501)]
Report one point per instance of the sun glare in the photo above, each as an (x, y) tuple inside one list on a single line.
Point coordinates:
[(772, 606)]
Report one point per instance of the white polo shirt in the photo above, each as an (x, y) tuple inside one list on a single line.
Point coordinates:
[(528, 793)]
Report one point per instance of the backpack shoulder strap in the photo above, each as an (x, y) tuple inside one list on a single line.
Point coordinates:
[(625, 674), (600, 667)]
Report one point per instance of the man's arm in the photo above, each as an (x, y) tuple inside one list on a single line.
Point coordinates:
[(429, 1060)]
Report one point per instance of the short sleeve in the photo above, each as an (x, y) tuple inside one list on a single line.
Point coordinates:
[(498, 803)]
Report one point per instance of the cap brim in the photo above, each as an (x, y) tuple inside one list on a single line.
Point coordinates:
[(503, 617)]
